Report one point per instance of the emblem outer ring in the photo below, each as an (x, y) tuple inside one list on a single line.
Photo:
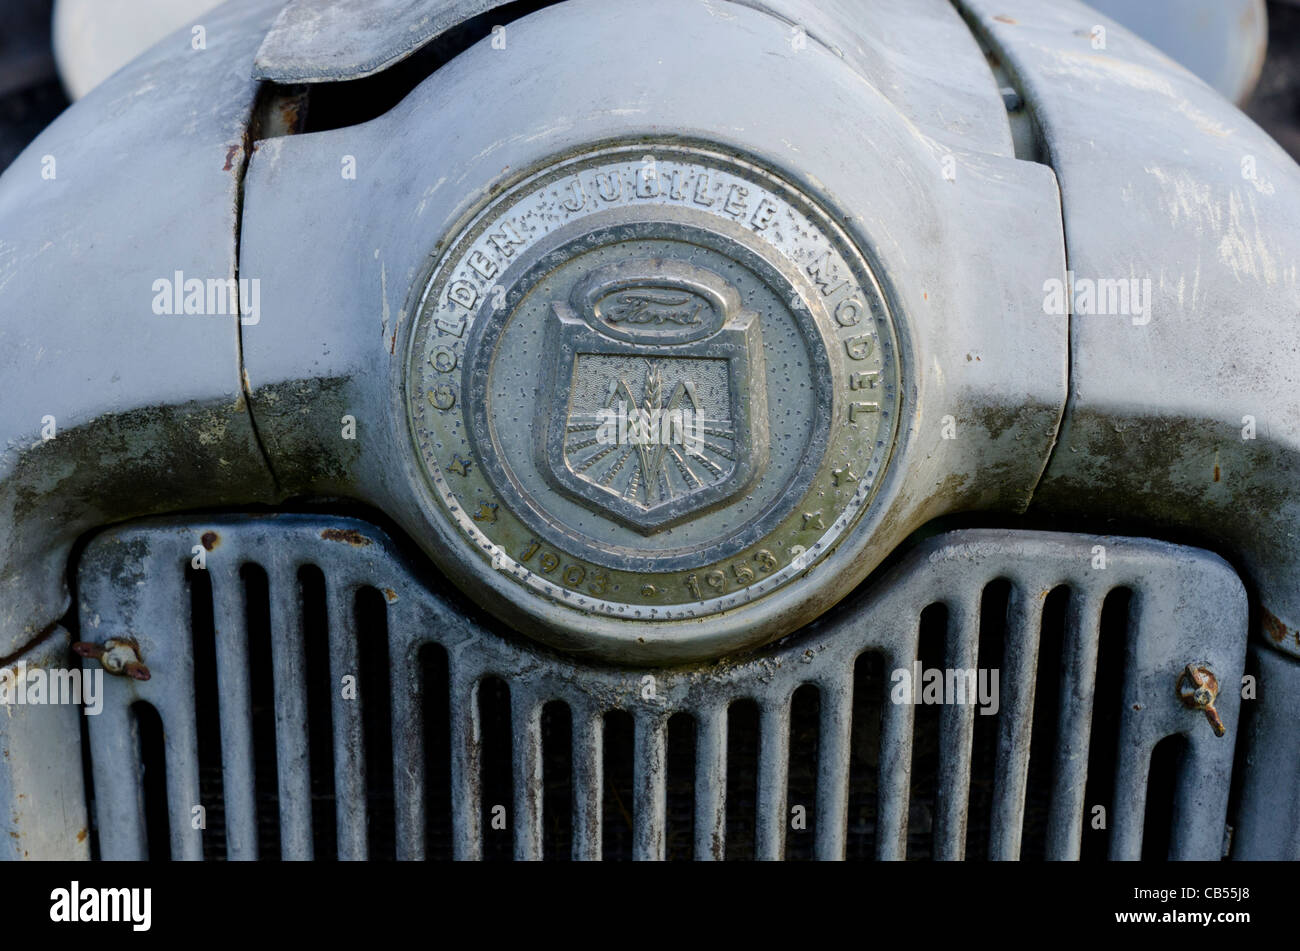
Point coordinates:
[(858, 323)]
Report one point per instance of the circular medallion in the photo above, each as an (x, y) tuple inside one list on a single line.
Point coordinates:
[(650, 383)]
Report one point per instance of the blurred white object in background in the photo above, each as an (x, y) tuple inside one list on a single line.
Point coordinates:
[(1222, 41), (95, 38)]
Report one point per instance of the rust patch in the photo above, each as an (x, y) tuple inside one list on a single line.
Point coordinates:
[(210, 540), (290, 113), (231, 152), (81, 836), (1273, 627), (390, 594), (1216, 472), (349, 536), (1003, 18)]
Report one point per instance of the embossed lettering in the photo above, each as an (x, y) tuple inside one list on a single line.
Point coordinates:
[(848, 312), (463, 293), (735, 204), (764, 215), (701, 196), (859, 348), (609, 187), (484, 265), (506, 239), (823, 271), (856, 408), (577, 197)]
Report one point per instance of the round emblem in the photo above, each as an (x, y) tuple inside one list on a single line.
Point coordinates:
[(653, 384)]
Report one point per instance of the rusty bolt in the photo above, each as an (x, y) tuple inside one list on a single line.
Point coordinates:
[(117, 655), (1197, 688)]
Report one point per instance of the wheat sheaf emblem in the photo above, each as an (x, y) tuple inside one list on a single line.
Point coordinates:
[(650, 447)]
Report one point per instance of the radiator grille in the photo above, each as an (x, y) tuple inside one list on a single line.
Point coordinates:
[(312, 697)]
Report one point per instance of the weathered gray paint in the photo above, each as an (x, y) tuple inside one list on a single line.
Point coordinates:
[(148, 409), (1150, 163)]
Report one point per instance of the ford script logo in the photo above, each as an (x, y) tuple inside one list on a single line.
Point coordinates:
[(658, 301)]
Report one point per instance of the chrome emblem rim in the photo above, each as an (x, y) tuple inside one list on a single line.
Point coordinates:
[(650, 382)]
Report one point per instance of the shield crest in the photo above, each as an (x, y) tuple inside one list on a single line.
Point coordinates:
[(654, 407)]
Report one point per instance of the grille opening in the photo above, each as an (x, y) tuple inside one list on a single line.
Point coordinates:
[(257, 618), (87, 770), (1246, 725), (495, 768), (679, 836), (801, 785), (153, 762), (377, 720), (864, 755), (616, 811), (995, 603), (320, 718), (207, 704), (1108, 699), (742, 778), (557, 781), (1046, 725), (1162, 791), (931, 651), (435, 688)]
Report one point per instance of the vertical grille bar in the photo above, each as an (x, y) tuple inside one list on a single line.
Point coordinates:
[(408, 738), (1078, 683), (833, 755), (174, 703), (181, 750), (526, 753), (895, 775), (588, 781), (773, 779), (711, 785), (957, 728), (119, 799), (1129, 810), (466, 742), (293, 759), (349, 735), (1015, 723), (650, 792), (237, 783)]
